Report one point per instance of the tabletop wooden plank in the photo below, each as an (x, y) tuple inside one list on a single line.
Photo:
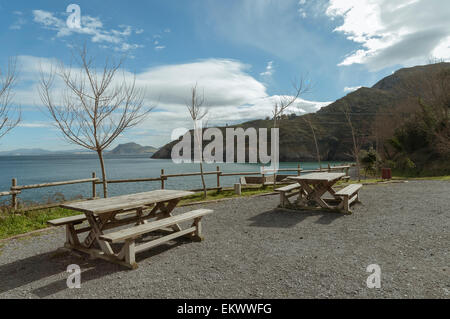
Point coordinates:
[(318, 177), (125, 202)]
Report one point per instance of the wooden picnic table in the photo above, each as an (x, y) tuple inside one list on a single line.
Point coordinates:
[(137, 209), (315, 185)]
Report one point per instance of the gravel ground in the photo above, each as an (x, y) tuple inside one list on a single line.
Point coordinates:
[(253, 250)]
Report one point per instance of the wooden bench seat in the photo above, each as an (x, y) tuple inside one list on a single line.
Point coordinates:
[(287, 192), (349, 194), (129, 235), (72, 220)]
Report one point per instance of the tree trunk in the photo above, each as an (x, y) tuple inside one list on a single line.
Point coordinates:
[(358, 167), (317, 146), (203, 181), (102, 165)]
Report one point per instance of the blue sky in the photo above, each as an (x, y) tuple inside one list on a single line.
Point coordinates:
[(242, 53)]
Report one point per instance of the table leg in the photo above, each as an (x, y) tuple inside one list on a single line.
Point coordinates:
[(316, 192), (166, 211), (97, 225), (140, 216)]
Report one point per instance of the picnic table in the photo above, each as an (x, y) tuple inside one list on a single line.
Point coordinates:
[(312, 187), (137, 209), (315, 185)]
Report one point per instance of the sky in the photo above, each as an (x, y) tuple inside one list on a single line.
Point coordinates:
[(242, 54)]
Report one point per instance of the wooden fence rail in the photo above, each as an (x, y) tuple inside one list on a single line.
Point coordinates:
[(17, 189), (78, 181)]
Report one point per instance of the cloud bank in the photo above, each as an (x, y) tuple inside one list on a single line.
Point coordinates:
[(90, 26), (393, 32)]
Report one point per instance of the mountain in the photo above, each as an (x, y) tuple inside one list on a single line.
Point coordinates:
[(40, 152), (393, 97), (26, 152), (122, 149), (133, 148)]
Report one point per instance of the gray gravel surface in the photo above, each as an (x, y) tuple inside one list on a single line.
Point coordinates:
[(254, 250)]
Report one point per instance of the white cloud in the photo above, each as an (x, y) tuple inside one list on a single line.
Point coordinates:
[(302, 9), (232, 94), (349, 89), (36, 124), (90, 26), (269, 70), (20, 21), (392, 32)]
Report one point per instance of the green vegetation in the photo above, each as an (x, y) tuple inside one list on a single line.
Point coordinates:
[(420, 146), (17, 224), (227, 193), (133, 148), (434, 178), (369, 160)]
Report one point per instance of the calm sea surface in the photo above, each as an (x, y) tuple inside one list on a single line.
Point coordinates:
[(41, 169)]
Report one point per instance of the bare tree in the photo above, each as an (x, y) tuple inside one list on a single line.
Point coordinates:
[(307, 119), (198, 111), (9, 116), (358, 141), (283, 103), (93, 110)]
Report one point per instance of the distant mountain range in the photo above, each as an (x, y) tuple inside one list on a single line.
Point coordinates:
[(122, 149), (133, 148)]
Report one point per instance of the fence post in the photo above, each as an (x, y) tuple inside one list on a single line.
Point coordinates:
[(94, 187), (14, 195), (299, 170), (218, 178), (263, 176), (238, 189), (329, 167), (162, 180)]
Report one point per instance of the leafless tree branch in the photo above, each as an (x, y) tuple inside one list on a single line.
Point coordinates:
[(198, 111), (93, 110), (10, 116)]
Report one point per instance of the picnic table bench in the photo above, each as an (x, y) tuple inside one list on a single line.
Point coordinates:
[(349, 194), (137, 209), (312, 187), (287, 192)]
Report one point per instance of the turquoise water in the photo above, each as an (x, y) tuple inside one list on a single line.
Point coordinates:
[(41, 169)]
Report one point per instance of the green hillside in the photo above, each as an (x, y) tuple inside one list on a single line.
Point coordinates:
[(133, 148)]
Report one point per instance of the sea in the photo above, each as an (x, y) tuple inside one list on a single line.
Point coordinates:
[(29, 170)]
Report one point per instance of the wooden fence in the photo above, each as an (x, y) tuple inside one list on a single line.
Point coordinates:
[(94, 180)]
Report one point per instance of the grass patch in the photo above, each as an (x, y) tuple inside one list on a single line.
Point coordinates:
[(216, 195), (436, 178), (17, 224)]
